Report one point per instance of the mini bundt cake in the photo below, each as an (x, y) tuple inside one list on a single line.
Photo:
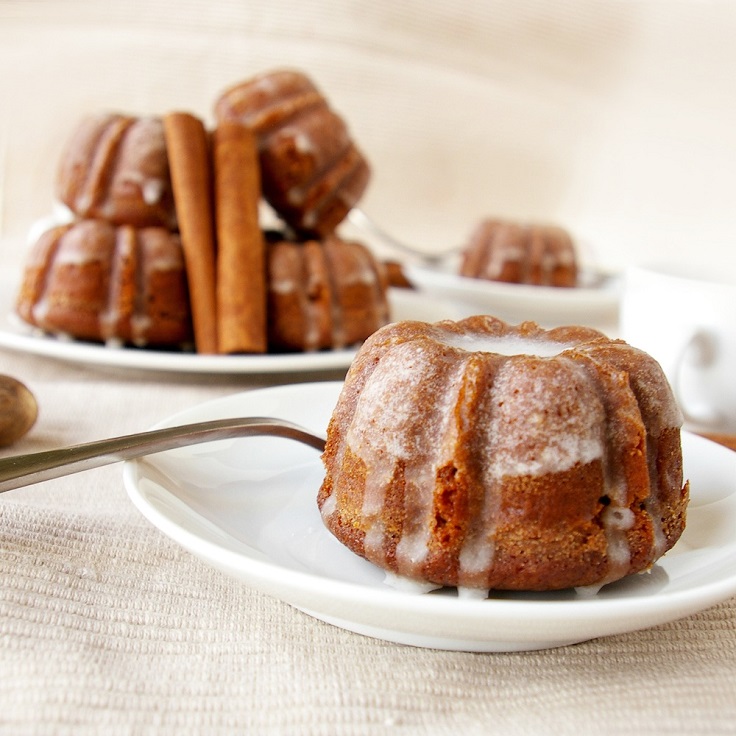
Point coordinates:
[(312, 172), (94, 281), (115, 167), (502, 250), (486, 456), (323, 294)]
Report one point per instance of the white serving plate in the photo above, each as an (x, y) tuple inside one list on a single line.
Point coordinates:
[(17, 336), (248, 508)]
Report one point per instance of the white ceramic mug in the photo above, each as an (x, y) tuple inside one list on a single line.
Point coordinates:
[(685, 318)]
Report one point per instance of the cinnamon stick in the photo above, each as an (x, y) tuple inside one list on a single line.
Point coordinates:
[(241, 255), (187, 145)]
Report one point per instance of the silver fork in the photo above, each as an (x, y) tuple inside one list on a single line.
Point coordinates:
[(24, 470), (590, 277), (364, 222)]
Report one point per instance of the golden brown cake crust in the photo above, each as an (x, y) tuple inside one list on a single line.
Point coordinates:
[(457, 456)]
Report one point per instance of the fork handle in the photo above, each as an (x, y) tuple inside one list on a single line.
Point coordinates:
[(24, 470), (360, 219)]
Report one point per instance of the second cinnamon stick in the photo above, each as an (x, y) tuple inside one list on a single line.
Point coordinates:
[(241, 267)]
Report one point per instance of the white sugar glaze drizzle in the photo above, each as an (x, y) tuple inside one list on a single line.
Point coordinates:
[(499, 258), (76, 253), (472, 594), (296, 195), (60, 215), (329, 506), (139, 164), (407, 585), (264, 82), (568, 433), (303, 142), (152, 190), (391, 443), (40, 311), (123, 256), (140, 324), (282, 286), (311, 311), (413, 547), (417, 587), (505, 345), (659, 407)]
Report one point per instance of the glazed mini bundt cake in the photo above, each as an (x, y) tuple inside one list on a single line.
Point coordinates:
[(92, 280), (512, 252), (115, 167), (486, 456), (312, 172), (322, 294)]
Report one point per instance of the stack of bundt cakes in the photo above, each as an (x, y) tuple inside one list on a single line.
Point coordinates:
[(485, 456), (165, 247)]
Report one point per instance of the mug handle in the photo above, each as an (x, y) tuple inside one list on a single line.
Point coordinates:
[(701, 348)]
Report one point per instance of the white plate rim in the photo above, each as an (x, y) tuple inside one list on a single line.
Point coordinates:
[(565, 621), (18, 337), (525, 300)]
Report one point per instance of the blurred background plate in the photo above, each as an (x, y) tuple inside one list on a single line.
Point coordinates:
[(594, 306), (18, 336)]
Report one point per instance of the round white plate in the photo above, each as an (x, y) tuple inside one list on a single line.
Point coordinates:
[(595, 305), (16, 335), (248, 508)]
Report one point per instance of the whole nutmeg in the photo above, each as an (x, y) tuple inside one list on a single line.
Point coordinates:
[(18, 410)]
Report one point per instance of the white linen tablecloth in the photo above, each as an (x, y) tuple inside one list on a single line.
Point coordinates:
[(108, 626)]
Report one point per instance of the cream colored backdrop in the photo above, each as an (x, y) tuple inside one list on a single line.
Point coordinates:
[(615, 118)]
